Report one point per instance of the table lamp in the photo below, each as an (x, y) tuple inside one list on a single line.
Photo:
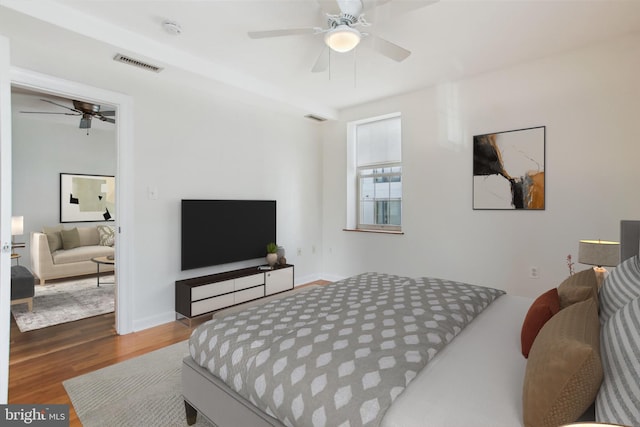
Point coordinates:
[(600, 253), (17, 227)]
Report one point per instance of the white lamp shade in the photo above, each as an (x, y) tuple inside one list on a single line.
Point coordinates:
[(17, 225), (599, 252), (342, 38)]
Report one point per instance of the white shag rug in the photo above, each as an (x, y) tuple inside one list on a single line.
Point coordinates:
[(62, 302)]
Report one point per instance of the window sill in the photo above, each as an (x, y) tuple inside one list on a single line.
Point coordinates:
[(359, 230)]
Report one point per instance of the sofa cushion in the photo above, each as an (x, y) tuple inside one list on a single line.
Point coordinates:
[(54, 238), (89, 236), (81, 253), (107, 235), (70, 239)]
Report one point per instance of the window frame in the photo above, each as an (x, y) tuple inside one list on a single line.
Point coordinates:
[(354, 222), (360, 225)]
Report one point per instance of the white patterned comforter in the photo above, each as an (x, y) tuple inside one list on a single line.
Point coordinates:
[(337, 355)]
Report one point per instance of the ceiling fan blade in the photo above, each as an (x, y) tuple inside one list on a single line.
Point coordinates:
[(280, 33), (322, 63), (60, 105), (390, 50), (105, 119), (50, 112)]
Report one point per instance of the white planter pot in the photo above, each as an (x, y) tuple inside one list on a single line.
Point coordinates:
[(272, 259)]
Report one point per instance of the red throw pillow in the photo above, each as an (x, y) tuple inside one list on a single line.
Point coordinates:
[(542, 309)]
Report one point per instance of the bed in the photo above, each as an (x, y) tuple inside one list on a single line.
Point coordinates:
[(392, 351)]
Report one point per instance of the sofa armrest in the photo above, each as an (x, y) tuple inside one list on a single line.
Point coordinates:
[(41, 259)]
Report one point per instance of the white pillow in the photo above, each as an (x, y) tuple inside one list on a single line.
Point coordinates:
[(620, 287), (107, 235), (618, 399)]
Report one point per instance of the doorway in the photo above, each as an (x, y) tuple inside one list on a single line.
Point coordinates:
[(60, 155), (40, 83)]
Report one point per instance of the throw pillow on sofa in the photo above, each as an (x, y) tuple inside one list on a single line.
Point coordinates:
[(107, 235), (54, 238), (70, 238)]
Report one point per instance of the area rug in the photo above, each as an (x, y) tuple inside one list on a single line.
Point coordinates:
[(62, 302), (143, 391)]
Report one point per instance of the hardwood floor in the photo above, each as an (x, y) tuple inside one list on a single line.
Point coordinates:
[(41, 360)]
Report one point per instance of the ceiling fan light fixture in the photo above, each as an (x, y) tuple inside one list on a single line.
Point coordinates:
[(342, 38)]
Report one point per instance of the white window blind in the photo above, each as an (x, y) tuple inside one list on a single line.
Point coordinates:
[(379, 174)]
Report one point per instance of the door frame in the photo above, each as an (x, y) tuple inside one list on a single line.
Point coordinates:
[(5, 217), (124, 172)]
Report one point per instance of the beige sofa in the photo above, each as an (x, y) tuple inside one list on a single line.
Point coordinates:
[(57, 252)]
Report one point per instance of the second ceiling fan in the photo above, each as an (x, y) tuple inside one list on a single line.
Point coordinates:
[(342, 34), (86, 110)]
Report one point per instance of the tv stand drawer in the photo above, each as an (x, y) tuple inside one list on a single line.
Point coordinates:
[(206, 294), (212, 290)]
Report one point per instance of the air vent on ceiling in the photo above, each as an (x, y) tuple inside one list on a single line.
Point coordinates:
[(316, 118), (137, 63)]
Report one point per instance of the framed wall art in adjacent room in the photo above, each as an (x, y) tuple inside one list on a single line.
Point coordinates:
[(87, 198), (509, 169)]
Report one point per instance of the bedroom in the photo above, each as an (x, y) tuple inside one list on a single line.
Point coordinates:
[(586, 97)]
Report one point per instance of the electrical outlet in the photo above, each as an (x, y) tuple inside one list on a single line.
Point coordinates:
[(299, 251), (534, 273)]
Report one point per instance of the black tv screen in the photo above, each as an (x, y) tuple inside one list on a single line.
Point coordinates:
[(223, 231)]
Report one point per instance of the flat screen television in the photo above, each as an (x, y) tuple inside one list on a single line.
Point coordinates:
[(223, 231)]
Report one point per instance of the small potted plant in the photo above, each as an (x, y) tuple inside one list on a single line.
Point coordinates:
[(272, 254)]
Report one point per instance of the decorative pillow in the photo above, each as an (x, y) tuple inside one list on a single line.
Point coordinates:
[(70, 238), (53, 237), (617, 400), (107, 235), (564, 370), (578, 287), (542, 309), (620, 287)]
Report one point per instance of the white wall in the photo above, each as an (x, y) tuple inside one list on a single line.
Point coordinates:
[(193, 139), (42, 149), (588, 100)]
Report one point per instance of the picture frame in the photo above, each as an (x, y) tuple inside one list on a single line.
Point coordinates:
[(509, 170), (87, 198)]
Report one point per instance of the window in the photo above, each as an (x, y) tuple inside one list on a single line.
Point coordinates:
[(377, 167)]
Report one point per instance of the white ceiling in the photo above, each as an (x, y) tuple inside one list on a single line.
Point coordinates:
[(449, 40)]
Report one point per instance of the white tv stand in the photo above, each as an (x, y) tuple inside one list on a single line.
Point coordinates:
[(203, 295)]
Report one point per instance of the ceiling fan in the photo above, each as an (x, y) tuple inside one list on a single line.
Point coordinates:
[(341, 33), (80, 108)]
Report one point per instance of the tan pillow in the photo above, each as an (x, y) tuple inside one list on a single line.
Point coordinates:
[(54, 239), (564, 370), (88, 236), (578, 287), (70, 238)]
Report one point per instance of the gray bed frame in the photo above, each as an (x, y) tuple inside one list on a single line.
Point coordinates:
[(210, 397), (207, 395)]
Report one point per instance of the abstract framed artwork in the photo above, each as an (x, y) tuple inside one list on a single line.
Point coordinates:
[(509, 169), (87, 198)]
